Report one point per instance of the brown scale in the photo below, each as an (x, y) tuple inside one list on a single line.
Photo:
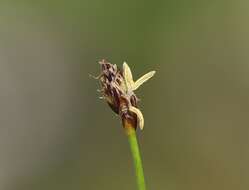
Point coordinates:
[(117, 101)]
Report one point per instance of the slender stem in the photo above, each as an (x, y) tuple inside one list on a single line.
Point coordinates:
[(131, 133)]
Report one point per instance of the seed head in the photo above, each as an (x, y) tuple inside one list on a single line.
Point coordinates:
[(117, 88)]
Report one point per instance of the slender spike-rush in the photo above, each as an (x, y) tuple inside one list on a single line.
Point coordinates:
[(117, 89)]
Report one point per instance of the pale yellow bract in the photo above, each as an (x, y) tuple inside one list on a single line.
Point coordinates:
[(131, 86)]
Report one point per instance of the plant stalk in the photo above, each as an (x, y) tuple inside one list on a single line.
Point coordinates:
[(137, 161)]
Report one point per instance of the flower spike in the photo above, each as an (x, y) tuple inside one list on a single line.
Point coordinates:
[(118, 89)]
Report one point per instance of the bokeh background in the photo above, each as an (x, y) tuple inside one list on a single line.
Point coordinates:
[(56, 134)]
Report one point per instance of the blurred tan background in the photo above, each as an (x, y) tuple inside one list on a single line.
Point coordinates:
[(56, 134)]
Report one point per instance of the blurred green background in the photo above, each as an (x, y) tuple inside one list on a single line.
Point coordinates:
[(56, 134)]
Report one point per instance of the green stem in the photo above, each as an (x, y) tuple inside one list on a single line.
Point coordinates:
[(136, 158)]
